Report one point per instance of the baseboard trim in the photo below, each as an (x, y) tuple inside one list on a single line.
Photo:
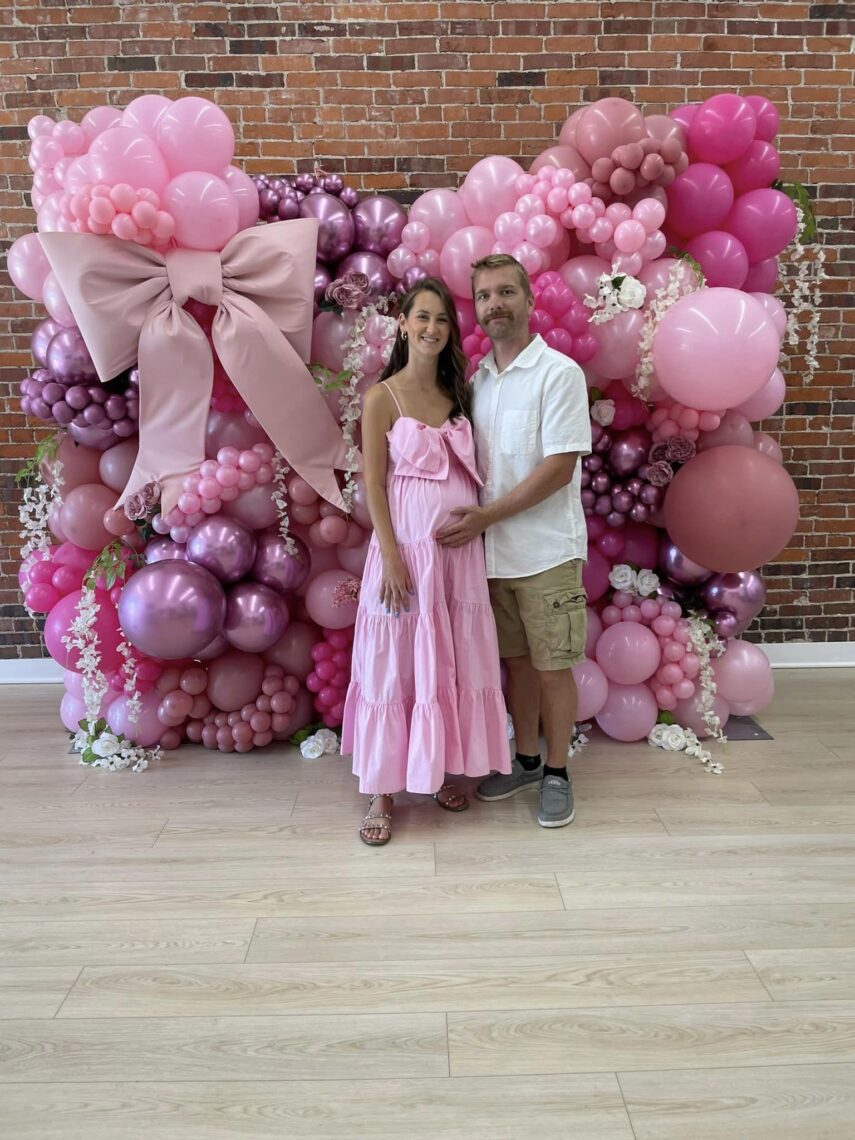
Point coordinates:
[(30, 671)]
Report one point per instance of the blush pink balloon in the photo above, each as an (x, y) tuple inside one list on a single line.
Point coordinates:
[(120, 154), (699, 199), (254, 508), (750, 707), (489, 190), (562, 157), (657, 274), (321, 600), (293, 651), (54, 301), (100, 119), (617, 341), (460, 250), (767, 401), (775, 311), (28, 266), (766, 445), (607, 124), (567, 134), (204, 208), (628, 652), (143, 113), (593, 629), (245, 195), (592, 689), (330, 335), (195, 135), (582, 274), (629, 713), (688, 713)]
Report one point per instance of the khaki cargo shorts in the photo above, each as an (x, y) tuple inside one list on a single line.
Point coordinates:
[(542, 616)]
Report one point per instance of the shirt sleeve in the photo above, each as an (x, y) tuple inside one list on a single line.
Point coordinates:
[(565, 422)]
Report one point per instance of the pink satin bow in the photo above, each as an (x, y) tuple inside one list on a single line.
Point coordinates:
[(422, 452), (127, 301)]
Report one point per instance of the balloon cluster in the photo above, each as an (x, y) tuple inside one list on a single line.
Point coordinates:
[(279, 198), (722, 209), (120, 210), (268, 717), (671, 419), (93, 414), (331, 674)]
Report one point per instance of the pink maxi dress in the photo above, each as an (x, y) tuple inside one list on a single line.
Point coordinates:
[(425, 697)]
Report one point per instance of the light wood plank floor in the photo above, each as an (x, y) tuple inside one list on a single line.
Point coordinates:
[(206, 951)]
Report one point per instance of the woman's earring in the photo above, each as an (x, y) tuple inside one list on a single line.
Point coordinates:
[(403, 336)]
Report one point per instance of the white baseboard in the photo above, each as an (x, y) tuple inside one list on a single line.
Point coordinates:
[(30, 671)]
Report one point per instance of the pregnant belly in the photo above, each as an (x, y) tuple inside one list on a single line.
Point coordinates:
[(420, 507)]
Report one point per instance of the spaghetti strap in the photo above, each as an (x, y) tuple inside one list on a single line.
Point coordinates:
[(395, 398)]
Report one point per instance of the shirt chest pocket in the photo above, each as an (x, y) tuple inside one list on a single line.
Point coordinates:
[(518, 433)]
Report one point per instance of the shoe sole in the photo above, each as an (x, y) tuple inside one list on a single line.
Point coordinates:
[(506, 795), (558, 822)]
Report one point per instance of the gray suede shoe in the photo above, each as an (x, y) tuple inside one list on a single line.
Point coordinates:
[(501, 786), (556, 802)]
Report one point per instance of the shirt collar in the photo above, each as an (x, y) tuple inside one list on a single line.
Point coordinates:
[(529, 356)]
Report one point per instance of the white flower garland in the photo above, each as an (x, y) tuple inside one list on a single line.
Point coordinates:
[(324, 742), (642, 583), (100, 748), (662, 301), (806, 294), (129, 672), (83, 637), (38, 499), (673, 738), (350, 400), (616, 293), (704, 644), (603, 412), (278, 495)]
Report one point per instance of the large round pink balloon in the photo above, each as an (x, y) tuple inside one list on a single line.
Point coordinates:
[(657, 274), (194, 134), (293, 651), (489, 190), (234, 679), (722, 129), (689, 714), (562, 157), (607, 124), (617, 345), (324, 602), (592, 689), (628, 652), (722, 258), (28, 266), (749, 708), (731, 509), (764, 221), (699, 199), (714, 349), (756, 168), (595, 574), (459, 252), (582, 274), (734, 430), (442, 211), (121, 154), (82, 515), (767, 401), (629, 713), (116, 464), (106, 627), (205, 210), (144, 730), (743, 671)]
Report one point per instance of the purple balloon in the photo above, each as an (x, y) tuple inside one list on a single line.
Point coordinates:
[(323, 277), (349, 196), (43, 334), (336, 227), (374, 267), (256, 617), (726, 624), (628, 450), (276, 568), (223, 546), (379, 221), (100, 437), (678, 567), (68, 357), (162, 548), (413, 276), (622, 502), (742, 594), (172, 609)]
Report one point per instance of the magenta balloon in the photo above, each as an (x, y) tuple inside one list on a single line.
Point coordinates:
[(489, 189), (582, 274), (595, 574), (115, 465), (379, 221), (699, 199), (688, 713), (629, 713), (336, 229), (684, 115), (607, 124), (743, 671), (230, 429), (322, 605), (762, 277), (28, 266), (767, 116), (274, 566), (223, 546), (162, 548), (293, 651), (172, 609), (194, 134), (442, 211), (722, 258), (592, 689), (628, 652), (714, 349), (330, 335), (234, 679), (767, 401), (722, 129), (121, 154), (757, 168), (380, 280), (733, 431), (256, 617), (562, 157), (68, 357), (617, 341), (731, 509), (764, 221), (641, 545), (108, 634), (254, 508), (676, 566), (743, 594)]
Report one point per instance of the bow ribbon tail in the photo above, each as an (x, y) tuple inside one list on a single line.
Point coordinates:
[(176, 381), (279, 390)]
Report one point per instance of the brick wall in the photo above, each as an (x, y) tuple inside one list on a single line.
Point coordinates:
[(406, 96)]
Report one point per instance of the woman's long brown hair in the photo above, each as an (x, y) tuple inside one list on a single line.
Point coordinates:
[(451, 371)]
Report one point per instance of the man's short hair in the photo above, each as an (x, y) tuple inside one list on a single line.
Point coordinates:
[(502, 261)]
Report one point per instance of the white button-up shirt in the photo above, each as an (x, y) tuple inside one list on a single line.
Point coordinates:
[(538, 406)]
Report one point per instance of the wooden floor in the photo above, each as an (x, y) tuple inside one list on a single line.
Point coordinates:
[(205, 950)]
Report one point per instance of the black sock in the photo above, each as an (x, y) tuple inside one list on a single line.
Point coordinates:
[(562, 772), (529, 762)]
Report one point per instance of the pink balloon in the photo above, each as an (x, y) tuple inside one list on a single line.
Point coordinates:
[(592, 689), (764, 221), (722, 129), (143, 113), (293, 651), (722, 258), (442, 211), (254, 508), (330, 334), (353, 558), (106, 626), (629, 713), (757, 168), (79, 465), (324, 603), (664, 127), (460, 250), (688, 713), (582, 274), (562, 157), (656, 275), (82, 515), (628, 652), (488, 190), (762, 276), (607, 124), (734, 430), (775, 311), (77, 175), (699, 199), (767, 401), (641, 545), (593, 629), (54, 301), (234, 679), (28, 266), (195, 135), (766, 114), (750, 707), (100, 119), (766, 445), (617, 340), (115, 465), (714, 349), (147, 730), (120, 154), (245, 195), (567, 134), (205, 210), (231, 429), (731, 509)]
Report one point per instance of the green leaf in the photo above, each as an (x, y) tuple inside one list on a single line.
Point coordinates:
[(682, 255), (665, 718), (797, 192)]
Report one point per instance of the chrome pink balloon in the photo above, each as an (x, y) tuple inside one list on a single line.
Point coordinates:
[(256, 617), (222, 545), (274, 566), (378, 221), (172, 609), (336, 230)]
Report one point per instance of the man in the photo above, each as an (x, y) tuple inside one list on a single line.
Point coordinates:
[(530, 412)]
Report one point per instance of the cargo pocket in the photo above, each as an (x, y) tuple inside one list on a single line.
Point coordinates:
[(565, 616)]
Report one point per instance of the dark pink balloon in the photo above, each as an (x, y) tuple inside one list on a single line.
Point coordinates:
[(758, 167), (699, 199), (764, 221), (234, 679), (762, 277), (722, 258), (58, 624), (766, 114), (722, 129)]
